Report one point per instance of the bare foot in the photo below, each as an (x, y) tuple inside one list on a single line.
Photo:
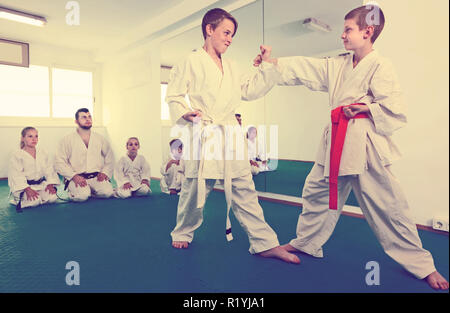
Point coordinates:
[(180, 244), (289, 248), (436, 281), (281, 254)]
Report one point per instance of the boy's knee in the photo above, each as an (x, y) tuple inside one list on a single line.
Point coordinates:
[(105, 191), (124, 193), (143, 190), (52, 198), (79, 194), (30, 203)]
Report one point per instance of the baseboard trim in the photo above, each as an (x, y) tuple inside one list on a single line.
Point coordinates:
[(357, 215)]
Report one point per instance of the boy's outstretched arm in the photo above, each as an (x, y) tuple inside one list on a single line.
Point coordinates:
[(297, 70), (259, 84)]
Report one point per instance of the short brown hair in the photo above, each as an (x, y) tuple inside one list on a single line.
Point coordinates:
[(175, 144), (361, 16), (214, 17), (84, 110), (135, 138)]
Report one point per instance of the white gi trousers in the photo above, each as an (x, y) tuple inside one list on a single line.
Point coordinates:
[(143, 190), (44, 198), (245, 207), (101, 189), (173, 178), (383, 204)]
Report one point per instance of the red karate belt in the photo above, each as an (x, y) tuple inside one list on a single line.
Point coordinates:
[(339, 122)]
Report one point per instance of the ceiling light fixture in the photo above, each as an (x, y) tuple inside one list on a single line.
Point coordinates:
[(316, 25), (22, 17)]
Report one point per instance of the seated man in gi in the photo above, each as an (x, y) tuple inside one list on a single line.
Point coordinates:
[(85, 160)]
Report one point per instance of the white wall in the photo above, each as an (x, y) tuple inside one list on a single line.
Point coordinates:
[(132, 103), (416, 39)]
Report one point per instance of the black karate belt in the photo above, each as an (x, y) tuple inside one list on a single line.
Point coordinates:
[(84, 175), (29, 182)]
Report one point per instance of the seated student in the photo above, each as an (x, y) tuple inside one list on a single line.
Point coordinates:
[(86, 161), (256, 154), (31, 177), (132, 172), (172, 170)]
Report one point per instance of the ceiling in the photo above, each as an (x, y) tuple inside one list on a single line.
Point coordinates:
[(101, 21), (114, 24)]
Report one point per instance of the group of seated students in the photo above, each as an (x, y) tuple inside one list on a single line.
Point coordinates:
[(86, 162)]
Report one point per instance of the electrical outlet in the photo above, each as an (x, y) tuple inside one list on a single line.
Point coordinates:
[(440, 224)]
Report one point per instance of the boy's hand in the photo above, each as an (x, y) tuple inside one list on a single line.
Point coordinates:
[(193, 117), (31, 194), (79, 181), (127, 186), (51, 189), (264, 56), (353, 109), (101, 177)]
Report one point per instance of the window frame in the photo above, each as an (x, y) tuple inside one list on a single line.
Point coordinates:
[(20, 121)]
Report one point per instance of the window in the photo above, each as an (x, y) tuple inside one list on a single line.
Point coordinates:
[(24, 91), (71, 90), (165, 113)]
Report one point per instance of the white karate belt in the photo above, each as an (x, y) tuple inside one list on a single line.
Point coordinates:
[(201, 181)]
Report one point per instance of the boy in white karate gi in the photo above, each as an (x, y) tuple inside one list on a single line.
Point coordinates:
[(31, 177), (172, 169), (86, 161), (132, 172), (365, 98), (215, 88)]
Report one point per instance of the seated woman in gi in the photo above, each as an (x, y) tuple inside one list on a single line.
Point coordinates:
[(172, 169), (132, 172), (31, 177)]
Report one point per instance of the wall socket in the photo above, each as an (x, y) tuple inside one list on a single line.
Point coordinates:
[(440, 224)]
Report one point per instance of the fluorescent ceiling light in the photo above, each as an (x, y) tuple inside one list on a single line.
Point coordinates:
[(316, 25), (22, 17)]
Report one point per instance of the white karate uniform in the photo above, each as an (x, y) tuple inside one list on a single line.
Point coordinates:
[(133, 172), (172, 178), (24, 167), (217, 95), (73, 157), (367, 155)]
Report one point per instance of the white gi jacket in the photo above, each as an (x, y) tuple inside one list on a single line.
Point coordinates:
[(24, 167), (217, 96), (132, 171), (178, 171), (73, 157), (372, 82)]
